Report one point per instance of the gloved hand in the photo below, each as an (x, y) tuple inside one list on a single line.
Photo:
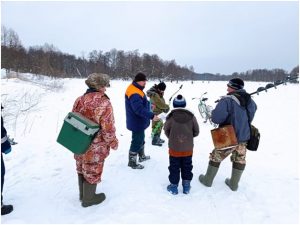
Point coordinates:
[(114, 144), (6, 151)]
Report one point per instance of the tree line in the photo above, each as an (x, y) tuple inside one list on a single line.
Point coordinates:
[(50, 61)]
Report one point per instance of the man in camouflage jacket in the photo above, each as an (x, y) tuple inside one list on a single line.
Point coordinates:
[(96, 106), (156, 95)]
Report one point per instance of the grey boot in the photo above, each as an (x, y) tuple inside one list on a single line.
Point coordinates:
[(89, 197), (132, 161), (80, 184), (237, 170), (142, 156), (156, 140), (208, 178)]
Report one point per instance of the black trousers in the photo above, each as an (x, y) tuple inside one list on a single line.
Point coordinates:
[(2, 176), (181, 165)]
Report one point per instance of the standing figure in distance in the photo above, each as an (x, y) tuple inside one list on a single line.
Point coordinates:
[(156, 95), (180, 127), (238, 109), (96, 106)]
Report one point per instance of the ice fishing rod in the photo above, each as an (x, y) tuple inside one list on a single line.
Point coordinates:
[(175, 93), (272, 85)]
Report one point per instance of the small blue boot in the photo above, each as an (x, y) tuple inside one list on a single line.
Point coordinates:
[(173, 189), (186, 184)]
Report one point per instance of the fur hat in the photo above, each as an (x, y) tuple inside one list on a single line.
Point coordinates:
[(97, 80), (161, 86), (236, 84), (140, 77), (179, 101)]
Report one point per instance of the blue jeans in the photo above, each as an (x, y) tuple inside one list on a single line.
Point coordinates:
[(180, 164), (137, 141)]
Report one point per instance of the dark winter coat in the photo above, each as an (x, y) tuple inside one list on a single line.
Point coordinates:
[(5, 145), (138, 114), (158, 101), (181, 127), (231, 109)]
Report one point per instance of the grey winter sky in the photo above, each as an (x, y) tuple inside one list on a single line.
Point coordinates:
[(215, 36)]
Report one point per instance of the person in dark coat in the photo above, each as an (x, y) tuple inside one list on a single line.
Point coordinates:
[(237, 109), (181, 127), (138, 116), (5, 148)]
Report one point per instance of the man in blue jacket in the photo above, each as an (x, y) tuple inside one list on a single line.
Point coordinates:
[(5, 148), (138, 116), (238, 109)]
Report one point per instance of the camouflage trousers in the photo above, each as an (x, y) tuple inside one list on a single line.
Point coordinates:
[(238, 154), (157, 126), (90, 164)]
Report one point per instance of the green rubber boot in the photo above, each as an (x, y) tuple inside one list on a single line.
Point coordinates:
[(233, 182), (89, 197), (80, 185), (208, 178)]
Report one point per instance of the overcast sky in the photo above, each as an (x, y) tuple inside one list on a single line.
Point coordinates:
[(216, 37)]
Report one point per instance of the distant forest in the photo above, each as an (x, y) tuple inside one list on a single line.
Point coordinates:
[(50, 61)]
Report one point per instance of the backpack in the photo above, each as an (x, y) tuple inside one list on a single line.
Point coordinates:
[(253, 142)]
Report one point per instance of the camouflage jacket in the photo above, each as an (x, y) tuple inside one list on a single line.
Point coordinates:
[(97, 107), (157, 101)]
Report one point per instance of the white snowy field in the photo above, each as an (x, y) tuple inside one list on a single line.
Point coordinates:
[(41, 180)]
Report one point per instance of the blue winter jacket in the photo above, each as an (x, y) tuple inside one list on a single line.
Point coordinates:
[(231, 109), (138, 114)]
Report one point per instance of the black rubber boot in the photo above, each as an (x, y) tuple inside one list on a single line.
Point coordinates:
[(142, 156), (6, 209), (156, 140), (132, 161), (160, 140)]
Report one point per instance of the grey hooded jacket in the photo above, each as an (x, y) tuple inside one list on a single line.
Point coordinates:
[(181, 127)]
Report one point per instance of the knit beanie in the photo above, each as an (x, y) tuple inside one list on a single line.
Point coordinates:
[(140, 77), (97, 80), (236, 83), (161, 86), (179, 101)]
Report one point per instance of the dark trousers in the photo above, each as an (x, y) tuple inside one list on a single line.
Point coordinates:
[(137, 141), (2, 176), (180, 164)]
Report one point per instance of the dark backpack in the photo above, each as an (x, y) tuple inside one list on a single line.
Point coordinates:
[(253, 142)]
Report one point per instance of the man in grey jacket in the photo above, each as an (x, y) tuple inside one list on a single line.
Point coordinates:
[(238, 109)]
